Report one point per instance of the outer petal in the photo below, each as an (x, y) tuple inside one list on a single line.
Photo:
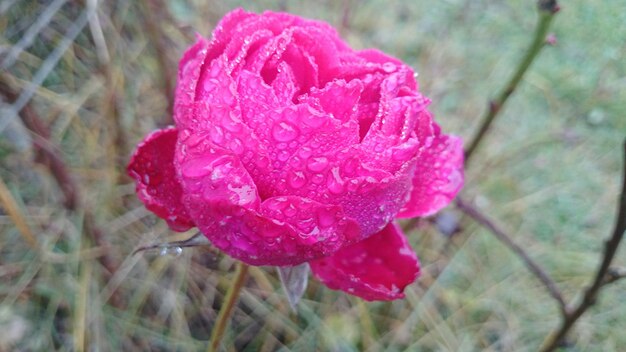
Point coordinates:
[(284, 231), (438, 177), (222, 198), (152, 167), (378, 268)]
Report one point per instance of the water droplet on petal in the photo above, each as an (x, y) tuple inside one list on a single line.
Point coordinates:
[(262, 162), (283, 155), (326, 218), (334, 182), (216, 134), (353, 185), (402, 154), (297, 179), (284, 131), (315, 119), (389, 67), (317, 164), (236, 146), (305, 152)]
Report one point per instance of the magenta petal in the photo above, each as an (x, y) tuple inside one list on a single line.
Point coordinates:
[(286, 230), (438, 177), (189, 71), (378, 268), (152, 167)]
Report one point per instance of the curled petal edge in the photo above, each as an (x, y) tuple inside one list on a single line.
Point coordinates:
[(377, 268)]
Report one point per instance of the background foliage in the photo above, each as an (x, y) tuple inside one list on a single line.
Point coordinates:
[(548, 171)]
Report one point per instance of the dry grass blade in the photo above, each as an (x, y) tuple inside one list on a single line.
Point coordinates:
[(46, 67), (11, 207)]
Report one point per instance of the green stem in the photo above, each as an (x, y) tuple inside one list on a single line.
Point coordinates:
[(547, 10), (227, 307)]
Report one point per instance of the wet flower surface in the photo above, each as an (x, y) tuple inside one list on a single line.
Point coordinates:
[(291, 147)]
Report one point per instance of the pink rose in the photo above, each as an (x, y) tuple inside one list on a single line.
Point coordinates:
[(291, 147)]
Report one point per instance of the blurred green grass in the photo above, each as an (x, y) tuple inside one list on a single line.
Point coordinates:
[(548, 171)]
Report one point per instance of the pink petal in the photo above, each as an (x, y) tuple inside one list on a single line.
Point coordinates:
[(378, 268), (209, 173), (152, 167), (218, 120), (223, 200), (337, 98), (284, 231), (189, 71), (438, 177)]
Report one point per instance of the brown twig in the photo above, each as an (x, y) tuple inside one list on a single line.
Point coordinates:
[(557, 338), (547, 10), (614, 274), (501, 235)]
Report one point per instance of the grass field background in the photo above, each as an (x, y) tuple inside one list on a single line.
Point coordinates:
[(548, 172)]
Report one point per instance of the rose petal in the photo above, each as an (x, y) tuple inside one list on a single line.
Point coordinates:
[(378, 268), (189, 71), (152, 167), (210, 173), (438, 177), (285, 231), (224, 30), (337, 98)]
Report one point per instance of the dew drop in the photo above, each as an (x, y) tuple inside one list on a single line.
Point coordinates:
[(402, 154), (334, 182), (216, 134), (318, 179), (236, 146), (389, 67), (283, 155), (317, 164), (351, 166), (262, 162), (198, 167), (326, 218), (305, 152), (231, 123), (315, 119), (284, 131), (290, 211), (173, 251), (297, 179), (353, 185)]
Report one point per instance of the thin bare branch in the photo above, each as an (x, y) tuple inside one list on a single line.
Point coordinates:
[(557, 338), (501, 235), (614, 274), (547, 10)]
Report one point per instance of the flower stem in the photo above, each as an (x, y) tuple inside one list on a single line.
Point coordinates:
[(547, 10), (227, 307)]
